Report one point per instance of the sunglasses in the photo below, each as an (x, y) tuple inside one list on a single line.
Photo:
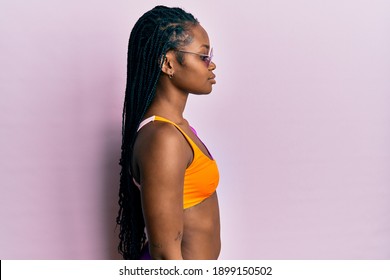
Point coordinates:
[(206, 58)]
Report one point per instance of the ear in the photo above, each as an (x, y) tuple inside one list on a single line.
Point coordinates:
[(167, 64)]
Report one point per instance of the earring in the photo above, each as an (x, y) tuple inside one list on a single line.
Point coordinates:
[(170, 75)]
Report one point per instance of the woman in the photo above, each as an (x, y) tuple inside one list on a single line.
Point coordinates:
[(168, 177)]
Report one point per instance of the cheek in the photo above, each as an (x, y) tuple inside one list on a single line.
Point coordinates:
[(202, 86), (194, 80)]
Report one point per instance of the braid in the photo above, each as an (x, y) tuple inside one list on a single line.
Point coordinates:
[(156, 32)]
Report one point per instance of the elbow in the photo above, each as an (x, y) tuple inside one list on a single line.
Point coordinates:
[(159, 254)]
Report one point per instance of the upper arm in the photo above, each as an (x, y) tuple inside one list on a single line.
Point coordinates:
[(162, 160)]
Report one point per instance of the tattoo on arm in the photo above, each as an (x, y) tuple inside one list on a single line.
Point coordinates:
[(179, 236)]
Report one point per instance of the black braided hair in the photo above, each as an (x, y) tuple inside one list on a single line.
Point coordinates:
[(156, 32)]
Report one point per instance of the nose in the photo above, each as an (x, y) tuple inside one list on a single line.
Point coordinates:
[(212, 66)]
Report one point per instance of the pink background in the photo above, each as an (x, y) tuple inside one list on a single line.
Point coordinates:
[(298, 121)]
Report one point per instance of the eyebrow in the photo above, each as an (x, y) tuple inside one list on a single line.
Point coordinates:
[(205, 46)]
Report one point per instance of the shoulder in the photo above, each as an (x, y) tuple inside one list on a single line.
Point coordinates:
[(158, 134), (161, 142)]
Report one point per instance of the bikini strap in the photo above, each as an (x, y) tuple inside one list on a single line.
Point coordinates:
[(158, 118), (145, 122)]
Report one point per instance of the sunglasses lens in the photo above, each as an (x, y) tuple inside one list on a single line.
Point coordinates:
[(209, 59)]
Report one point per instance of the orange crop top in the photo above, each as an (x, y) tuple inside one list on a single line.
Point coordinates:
[(201, 177)]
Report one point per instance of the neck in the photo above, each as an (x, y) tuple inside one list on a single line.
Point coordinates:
[(169, 103)]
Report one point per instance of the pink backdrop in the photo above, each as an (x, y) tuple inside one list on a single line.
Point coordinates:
[(298, 121)]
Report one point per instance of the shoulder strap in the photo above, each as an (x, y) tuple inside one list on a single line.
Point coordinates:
[(145, 122), (193, 145), (158, 118)]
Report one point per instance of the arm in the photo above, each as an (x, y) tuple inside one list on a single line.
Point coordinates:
[(162, 161)]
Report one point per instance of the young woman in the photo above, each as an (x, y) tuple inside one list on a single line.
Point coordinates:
[(168, 204)]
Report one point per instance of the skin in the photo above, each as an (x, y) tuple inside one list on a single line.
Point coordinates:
[(162, 154)]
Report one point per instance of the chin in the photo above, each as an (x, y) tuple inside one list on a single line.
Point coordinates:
[(209, 90), (203, 92)]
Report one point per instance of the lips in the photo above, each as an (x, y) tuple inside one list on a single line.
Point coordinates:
[(212, 79)]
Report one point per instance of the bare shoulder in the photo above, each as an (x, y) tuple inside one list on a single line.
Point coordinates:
[(159, 137), (161, 143)]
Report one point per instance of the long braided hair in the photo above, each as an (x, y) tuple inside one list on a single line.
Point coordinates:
[(154, 34)]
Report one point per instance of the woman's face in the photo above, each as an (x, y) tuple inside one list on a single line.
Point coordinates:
[(194, 75)]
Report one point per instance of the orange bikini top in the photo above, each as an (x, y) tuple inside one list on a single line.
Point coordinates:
[(201, 177)]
